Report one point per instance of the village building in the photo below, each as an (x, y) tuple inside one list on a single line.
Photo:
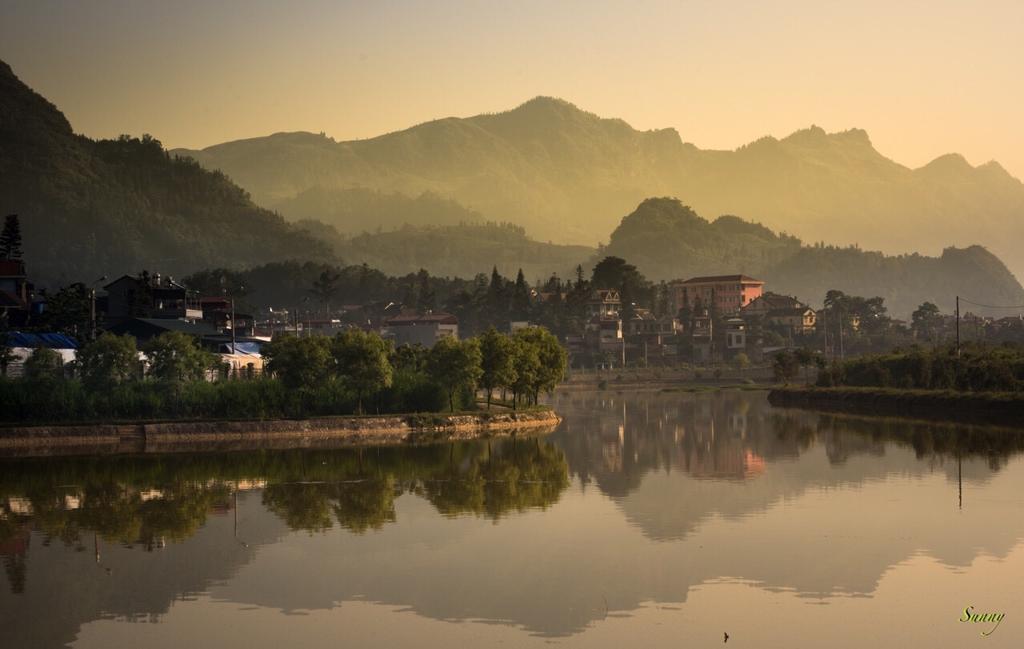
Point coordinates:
[(603, 303), (221, 314), (420, 329), (148, 296), (725, 294), (15, 292), (145, 329), (735, 336), (702, 337), (22, 345), (782, 313)]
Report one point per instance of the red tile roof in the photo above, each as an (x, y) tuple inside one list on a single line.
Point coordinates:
[(722, 278)]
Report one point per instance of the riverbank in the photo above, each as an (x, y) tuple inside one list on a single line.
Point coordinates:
[(692, 379), (181, 436), (1005, 408)]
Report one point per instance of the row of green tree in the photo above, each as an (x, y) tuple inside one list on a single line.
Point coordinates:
[(974, 368), (352, 372), (526, 363)]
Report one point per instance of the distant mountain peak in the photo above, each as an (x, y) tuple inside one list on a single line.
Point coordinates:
[(544, 107), (545, 101), (815, 135), (949, 163)]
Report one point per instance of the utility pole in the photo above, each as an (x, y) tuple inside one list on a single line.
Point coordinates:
[(824, 326), (958, 326), (92, 307), (842, 352), (233, 326)]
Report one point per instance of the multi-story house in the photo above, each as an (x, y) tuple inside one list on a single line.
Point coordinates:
[(724, 294), (783, 313), (15, 292)]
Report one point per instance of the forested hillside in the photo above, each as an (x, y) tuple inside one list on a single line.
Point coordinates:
[(357, 210), (666, 240), (455, 250), (90, 208)]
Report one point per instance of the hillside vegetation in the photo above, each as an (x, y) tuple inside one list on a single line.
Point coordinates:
[(454, 250), (666, 240), (90, 208)]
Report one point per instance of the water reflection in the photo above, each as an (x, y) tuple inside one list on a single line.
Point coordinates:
[(646, 497)]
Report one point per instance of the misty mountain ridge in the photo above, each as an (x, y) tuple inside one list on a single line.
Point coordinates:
[(92, 207), (568, 176)]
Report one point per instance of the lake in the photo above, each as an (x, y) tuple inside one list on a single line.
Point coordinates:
[(647, 519)]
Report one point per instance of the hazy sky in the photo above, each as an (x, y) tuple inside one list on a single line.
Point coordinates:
[(923, 78)]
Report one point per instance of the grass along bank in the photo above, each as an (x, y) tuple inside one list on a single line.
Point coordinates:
[(1006, 408)]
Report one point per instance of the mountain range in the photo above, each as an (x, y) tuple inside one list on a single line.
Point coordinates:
[(568, 176), (106, 207)]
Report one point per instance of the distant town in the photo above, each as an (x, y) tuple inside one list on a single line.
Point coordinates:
[(721, 319)]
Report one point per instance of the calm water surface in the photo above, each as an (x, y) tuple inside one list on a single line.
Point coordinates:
[(647, 519)]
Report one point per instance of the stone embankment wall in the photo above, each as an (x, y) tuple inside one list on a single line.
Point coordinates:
[(164, 437)]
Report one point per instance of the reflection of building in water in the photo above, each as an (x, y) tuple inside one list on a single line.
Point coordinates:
[(13, 552), (729, 461)]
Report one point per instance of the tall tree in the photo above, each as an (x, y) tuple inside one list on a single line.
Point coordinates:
[(299, 362), (175, 357), (326, 287), (526, 364), (454, 365), (925, 321), (496, 362), (107, 361), (616, 273), (10, 238), (426, 300), (551, 356), (520, 298), (361, 363), (69, 310)]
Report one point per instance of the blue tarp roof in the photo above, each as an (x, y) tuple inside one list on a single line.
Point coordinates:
[(242, 348), (53, 341)]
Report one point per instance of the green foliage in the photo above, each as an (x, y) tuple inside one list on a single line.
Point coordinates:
[(89, 206), (44, 364), (10, 238), (454, 365), (615, 272), (299, 362), (978, 368), (6, 354), (785, 366), (496, 362), (107, 361), (361, 362), (175, 357), (925, 322), (741, 361), (69, 311), (526, 364), (552, 359)]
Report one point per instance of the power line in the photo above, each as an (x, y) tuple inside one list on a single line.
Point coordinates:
[(993, 306)]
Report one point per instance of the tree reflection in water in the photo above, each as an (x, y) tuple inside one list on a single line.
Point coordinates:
[(148, 501)]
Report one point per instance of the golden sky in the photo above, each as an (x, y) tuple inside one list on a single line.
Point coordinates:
[(923, 78)]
